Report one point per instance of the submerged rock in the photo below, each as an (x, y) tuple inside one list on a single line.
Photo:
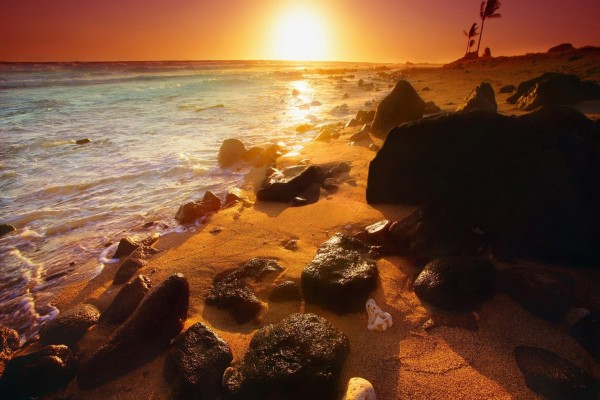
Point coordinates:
[(553, 88), (481, 98), (37, 374), (341, 275), (300, 356), (545, 293), (544, 203), (552, 376), (456, 282), (142, 337), (194, 210), (127, 300), (401, 105), (196, 362), (69, 327), (229, 289), (587, 332), (6, 228)]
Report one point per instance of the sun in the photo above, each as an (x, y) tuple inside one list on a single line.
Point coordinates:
[(300, 35)]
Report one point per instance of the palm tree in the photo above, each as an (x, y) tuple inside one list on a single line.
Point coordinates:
[(487, 10), (470, 35)]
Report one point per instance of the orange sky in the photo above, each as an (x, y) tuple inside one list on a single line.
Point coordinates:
[(348, 30)]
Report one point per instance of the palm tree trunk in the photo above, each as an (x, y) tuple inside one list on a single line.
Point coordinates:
[(468, 41), (480, 35)]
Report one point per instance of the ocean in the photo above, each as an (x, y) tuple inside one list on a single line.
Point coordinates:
[(155, 130)]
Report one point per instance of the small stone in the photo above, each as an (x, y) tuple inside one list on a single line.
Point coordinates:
[(379, 320), (374, 147), (216, 229), (234, 194), (83, 141), (330, 184), (507, 89), (285, 291), (291, 245), (6, 228), (359, 389), (352, 182)]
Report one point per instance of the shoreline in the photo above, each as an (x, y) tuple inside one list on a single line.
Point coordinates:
[(406, 361)]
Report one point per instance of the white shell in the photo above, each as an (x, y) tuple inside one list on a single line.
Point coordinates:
[(359, 389), (379, 320)]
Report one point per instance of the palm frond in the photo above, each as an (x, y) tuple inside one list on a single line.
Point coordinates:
[(494, 16), (471, 43), (491, 7), (465, 33), (473, 31), (482, 10)]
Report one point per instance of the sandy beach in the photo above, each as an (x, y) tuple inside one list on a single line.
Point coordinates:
[(428, 353)]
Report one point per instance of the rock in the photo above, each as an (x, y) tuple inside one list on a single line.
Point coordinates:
[(401, 105), (295, 92), (375, 233), (359, 389), (285, 291), (360, 135), (126, 247), (431, 108), (379, 320), (545, 293), (301, 355), (315, 103), (331, 184), (507, 89), (544, 204), (340, 110), (575, 314), (194, 210), (341, 275), (561, 48), (369, 117), (196, 362), (129, 267), (481, 98), (425, 89), (456, 283), (142, 337), (304, 128), (352, 123), (231, 152), (6, 228), (36, 374), (9, 342), (291, 245), (229, 290), (553, 88), (83, 141), (234, 194), (587, 332), (403, 232), (68, 328), (288, 183), (374, 147), (127, 300), (326, 135), (552, 376)]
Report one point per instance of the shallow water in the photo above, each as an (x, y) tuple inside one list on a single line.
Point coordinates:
[(155, 130)]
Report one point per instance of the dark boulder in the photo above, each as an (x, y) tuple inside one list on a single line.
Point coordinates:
[(285, 291), (300, 356), (283, 186), (36, 374), (9, 342), (401, 105), (341, 275), (126, 247), (561, 48), (545, 293), (196, 362), (127, 300), (431, 108), (587, 332), (544, 202), (481, 98), (83, 141), (5, 229), (68, 328), (231, 152), (552, 376), (229, 289), (553, 88), (507, 89), (130, 266), (194, 210), (142, 337), (456, 282)]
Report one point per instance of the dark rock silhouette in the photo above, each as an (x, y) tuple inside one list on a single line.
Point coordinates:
[(142, 337), (341, 275), (401, 105), (507, 89), (127, 300), (194, 210), (303, 354), (5, 229), (69, 327), (291, 182), (553, 88), (481, 98), (587, 332), (552, 376), (37, 374), (544, 202), (83, 141), (196, 362), (456, 282)]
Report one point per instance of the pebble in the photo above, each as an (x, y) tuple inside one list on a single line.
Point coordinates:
[(360, 389), (379, 320)]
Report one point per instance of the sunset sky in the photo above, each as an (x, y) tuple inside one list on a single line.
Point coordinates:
[(341, 30)]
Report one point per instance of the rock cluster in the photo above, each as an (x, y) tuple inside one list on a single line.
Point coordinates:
[(194, 210)]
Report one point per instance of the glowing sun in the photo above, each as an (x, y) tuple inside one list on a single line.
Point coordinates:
[(300, 35)]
